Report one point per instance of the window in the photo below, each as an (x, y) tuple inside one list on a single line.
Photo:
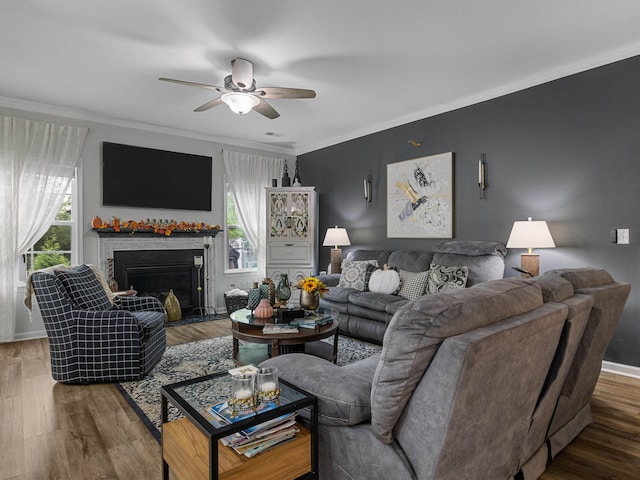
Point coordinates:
[(241, 254), (57, 246)]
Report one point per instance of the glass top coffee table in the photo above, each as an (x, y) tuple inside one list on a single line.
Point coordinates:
[(259, 346), (191, 445)]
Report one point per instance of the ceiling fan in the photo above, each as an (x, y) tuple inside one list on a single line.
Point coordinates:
[(240, 92)]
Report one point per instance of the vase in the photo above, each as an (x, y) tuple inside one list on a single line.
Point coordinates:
[(269, 290), (283, 291), (255, 295), (172, 307), (309, 300), (264, 310)]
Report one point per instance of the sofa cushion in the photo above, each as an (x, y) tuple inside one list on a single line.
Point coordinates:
[(586, 277), (442, 278), (339, 294), (417, 330), (84, 288), (412, 284), (356, 274), (374, 301), (410, 260), (343, 392), (554, 287)]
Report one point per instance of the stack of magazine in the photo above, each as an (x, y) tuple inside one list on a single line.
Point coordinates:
[(315, 320), (258, 438)]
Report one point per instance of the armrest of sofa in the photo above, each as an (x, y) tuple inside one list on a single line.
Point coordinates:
[(330, 279), (344, 393), (137, 304)]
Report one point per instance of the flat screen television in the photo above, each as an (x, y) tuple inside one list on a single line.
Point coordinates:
[(149, 178)]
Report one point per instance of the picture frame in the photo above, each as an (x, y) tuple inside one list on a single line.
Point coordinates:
[(420, 197)]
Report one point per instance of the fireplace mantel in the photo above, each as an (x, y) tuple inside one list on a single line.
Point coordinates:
[(109, 243)]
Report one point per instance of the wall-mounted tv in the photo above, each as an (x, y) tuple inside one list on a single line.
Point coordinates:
[(149, 178)]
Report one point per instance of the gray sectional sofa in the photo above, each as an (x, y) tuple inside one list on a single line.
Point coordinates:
[(365, 314), (487, 382)]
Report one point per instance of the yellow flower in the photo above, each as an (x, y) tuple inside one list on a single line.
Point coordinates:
[(312, 285)]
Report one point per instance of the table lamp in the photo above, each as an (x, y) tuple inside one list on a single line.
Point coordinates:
[(529, 234), (336, 237)]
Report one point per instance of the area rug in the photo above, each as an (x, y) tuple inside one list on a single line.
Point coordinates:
[(195, 359)]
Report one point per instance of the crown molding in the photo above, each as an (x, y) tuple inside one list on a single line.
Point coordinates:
[(528, 82), (83, 116)]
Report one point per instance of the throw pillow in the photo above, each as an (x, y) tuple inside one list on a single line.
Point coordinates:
[(442, 278), (84, 288), (412, 284), (356, 274), (385, 281)]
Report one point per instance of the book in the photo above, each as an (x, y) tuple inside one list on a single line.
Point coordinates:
[(280, 328), (313, 321)]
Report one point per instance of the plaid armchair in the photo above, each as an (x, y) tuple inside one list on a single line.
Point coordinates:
[(93, 338)]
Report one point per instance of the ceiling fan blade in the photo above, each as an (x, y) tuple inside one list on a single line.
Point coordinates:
[(208, 105), (192, 84), (281, 92), (265, 109)]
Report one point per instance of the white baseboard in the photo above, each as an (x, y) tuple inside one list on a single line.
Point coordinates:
[(30, 336), (621, 369)]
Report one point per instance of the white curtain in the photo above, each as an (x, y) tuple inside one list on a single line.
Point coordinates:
[(37, 162), (248, 175)]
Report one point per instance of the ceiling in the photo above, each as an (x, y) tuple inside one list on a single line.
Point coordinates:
[(374, 64)]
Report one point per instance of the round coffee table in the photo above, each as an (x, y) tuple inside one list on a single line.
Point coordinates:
[(248, 329)]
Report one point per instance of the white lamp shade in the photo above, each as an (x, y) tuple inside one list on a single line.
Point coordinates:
[(530, 234), (336, 237), (239, 102)]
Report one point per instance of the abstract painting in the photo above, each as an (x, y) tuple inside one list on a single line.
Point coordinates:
[(420, 197)]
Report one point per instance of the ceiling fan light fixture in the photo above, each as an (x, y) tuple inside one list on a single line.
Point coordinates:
[(239, 102)]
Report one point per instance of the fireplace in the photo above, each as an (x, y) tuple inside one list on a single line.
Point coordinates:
[(155, 272), (110, 243)]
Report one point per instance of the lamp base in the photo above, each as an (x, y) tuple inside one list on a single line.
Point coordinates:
[(531, 263), (336, 260)]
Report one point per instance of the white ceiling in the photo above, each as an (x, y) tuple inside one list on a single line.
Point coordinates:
[(374, 64)]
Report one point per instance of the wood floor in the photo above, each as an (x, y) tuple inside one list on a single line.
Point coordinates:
[(50, 430)]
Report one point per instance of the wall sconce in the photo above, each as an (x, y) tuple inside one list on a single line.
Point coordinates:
[(482, 174), (367, 190), (336, 237), (530, 235)]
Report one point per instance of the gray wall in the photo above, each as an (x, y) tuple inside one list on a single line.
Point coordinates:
[(565, 152)]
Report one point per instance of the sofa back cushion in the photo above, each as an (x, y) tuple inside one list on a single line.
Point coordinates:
[(485, 260), (417, 330), (84, 288), (470, 412), (382, 256), (410, 260)]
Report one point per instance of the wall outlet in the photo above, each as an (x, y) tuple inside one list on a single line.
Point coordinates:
[(623, 236)]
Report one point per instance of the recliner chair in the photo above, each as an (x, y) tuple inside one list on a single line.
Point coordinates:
[(92, 338)]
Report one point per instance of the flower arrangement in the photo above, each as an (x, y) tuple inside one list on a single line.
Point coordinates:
[(161, 227), (312, 285)]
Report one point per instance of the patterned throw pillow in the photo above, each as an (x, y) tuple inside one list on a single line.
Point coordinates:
[(412, 284), (84, 288), (356, 274), (443, 278)]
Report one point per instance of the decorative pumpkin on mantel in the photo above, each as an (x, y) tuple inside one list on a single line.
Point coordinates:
[(385, 280)]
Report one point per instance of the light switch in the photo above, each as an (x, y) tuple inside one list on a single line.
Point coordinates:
[(623, 236)]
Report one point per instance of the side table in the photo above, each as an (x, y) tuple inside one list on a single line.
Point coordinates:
[(191, 445)]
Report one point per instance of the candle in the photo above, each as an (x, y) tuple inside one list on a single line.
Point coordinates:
[(268, 387), (243, 394)]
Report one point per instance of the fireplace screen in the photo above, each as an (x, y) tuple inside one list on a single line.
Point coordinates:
[(155, 272)]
